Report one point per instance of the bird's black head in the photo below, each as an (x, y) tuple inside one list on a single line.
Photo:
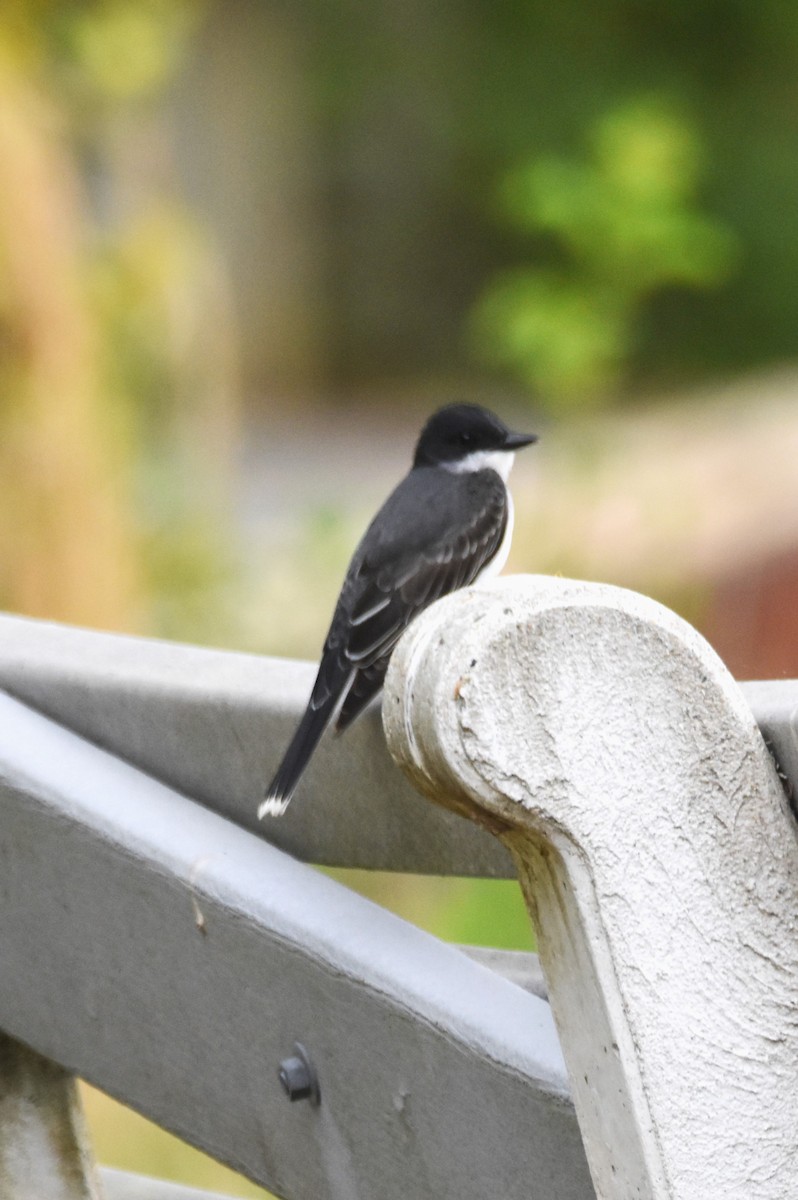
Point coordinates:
[(459, 431)]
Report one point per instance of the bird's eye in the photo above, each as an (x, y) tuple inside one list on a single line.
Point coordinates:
[(466, 439)]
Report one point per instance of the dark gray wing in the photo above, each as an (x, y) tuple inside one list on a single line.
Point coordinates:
[(434, 534)]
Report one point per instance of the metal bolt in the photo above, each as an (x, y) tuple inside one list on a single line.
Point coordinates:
[(297, 1076)]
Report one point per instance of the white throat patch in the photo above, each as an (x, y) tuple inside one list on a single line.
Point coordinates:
[(500, 461)]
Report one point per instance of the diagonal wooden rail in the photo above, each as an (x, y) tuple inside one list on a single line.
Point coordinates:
[(166, 955)]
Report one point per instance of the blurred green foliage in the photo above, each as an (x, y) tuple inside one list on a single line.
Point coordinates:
[(167, 341), (624, 227), (538, 101), (123, 49), (101, 52), (552, 77), (469, 912)]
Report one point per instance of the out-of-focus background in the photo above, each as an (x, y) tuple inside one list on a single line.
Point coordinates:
[(247, 245)]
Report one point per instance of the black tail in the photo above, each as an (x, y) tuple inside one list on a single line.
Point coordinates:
[(365, 685), (297, 757)]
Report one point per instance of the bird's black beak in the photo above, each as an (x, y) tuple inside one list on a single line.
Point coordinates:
[(514, 441)]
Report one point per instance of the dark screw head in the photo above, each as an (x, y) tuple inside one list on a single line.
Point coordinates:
[(297, 1077), (294, 1077)]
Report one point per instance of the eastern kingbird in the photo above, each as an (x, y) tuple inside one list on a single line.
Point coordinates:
[(448, 523)]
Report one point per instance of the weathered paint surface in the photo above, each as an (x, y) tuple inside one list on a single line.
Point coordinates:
[(608, 746), (214, 725), (44, 1149), (171, 958)]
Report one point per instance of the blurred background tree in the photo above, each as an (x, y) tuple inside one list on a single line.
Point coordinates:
[(65, 532), (363, 253), (114, 324), (625, 230), (311, 191)]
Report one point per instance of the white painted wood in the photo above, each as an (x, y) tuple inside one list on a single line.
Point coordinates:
[(518, 966), (214, 724), (123, 1185), (172, 959), (607, 745), (44, 1149)]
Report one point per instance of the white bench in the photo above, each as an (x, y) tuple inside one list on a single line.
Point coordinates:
[(152, 945)]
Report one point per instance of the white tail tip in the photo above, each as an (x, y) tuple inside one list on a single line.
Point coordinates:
[(272, 806)]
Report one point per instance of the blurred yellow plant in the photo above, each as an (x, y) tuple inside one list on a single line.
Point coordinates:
[(66, 549), (117, 379)]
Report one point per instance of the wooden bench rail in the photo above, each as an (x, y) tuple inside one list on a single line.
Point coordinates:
[(173, 960), (212, 724)]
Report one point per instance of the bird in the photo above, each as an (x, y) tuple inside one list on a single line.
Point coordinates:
[(448, 523)]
